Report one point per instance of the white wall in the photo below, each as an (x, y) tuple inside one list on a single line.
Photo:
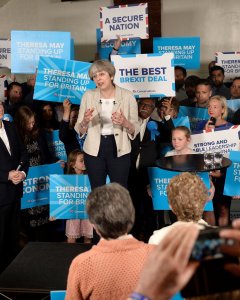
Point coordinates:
[(217, 22), (81, 18)]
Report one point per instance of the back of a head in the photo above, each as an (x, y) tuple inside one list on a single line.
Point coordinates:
[(110, 210), (187, 196)]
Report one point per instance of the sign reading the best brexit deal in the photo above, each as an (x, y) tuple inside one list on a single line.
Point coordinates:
[(58, 79), (230, 62), (127, 21), (159, 180), (232, 181), (36, 185), (146, 75), (132, 46), (28, 46), (222, 141), (5, 54), (68, 195), (55, 146), (186, 50), (233, 105), (195, 115)]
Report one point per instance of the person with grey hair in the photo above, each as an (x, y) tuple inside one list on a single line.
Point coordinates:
[(109, 117), (110, 270)]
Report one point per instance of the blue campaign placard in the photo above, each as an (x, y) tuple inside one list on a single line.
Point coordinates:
[(68, 195), (58, 79), (232, 181), (36, 185), (195, 115), (159, 180), (55, 146), (58, 295), (181, 121), (28, 46), (104, 49), (186, 50), (72, 53)]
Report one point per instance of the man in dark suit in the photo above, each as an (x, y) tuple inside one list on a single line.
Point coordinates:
[(145, 151), (13, 170)]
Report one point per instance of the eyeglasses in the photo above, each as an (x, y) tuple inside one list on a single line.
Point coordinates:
[(149, 106)]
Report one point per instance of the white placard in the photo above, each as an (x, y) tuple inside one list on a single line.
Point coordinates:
[(222, 141), (127, 21), (230, 62), (5, 54), (146, 75)]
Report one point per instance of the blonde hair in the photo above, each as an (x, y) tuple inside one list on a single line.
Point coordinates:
[(187, 195), (184, 129), (223, 103), (101, 65)]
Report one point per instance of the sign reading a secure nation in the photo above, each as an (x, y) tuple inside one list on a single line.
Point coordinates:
[(5, 53), (127, 21), (146, 75)]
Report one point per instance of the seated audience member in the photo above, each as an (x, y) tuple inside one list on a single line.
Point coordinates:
[(168, 269), (190, 88), (14, 98), (187, 196), (171, 256), (47, 117), (203, 94), (67, 134), (217, 109), (235, 88), (218, 87), (181, 137), (180, 75), (110, 270)]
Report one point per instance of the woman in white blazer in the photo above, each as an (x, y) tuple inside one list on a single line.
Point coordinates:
[(109, 117)]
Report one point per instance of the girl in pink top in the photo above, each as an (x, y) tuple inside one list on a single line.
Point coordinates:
[(77, 228)]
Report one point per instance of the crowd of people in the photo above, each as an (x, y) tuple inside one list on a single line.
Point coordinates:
[(113, 134)]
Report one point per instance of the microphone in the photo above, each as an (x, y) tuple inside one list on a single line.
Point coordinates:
[(212, 121), (114, 102), (100, 101), (19, 166)]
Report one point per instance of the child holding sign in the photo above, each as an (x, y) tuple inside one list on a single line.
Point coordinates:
[(77, 228)]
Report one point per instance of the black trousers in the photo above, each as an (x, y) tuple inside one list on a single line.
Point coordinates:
[(9, 233), (107, 163)]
